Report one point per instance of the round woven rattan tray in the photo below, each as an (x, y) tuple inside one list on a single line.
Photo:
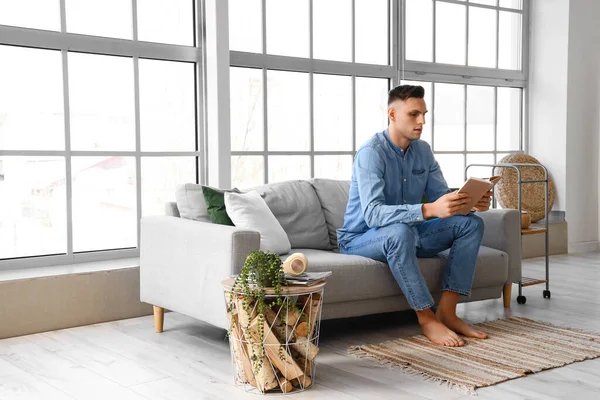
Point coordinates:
[(533, 194)]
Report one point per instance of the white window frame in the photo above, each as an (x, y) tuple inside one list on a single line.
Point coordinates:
[(469, 75), (399, 69), (69, 42)]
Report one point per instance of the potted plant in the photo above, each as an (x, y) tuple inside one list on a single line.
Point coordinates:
[(264, 322)]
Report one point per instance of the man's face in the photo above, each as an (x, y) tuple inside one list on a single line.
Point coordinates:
[(408, 117)]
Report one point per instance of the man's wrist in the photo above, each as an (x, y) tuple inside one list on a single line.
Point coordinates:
[(427, 210)]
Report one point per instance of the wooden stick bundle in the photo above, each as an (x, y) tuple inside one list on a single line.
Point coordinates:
[(285, 359)]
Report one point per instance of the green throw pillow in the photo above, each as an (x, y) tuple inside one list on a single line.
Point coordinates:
[(215, 205)]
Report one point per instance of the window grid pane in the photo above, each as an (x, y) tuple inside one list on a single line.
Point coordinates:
[(288, 27), (247, 101), (246, 13), (371, 40), (371, 108), (166, 21), (288, 110), (449, 117), (91, 17), (332, 99), (450, 33), (510, 40), (247, 171), (104, 203), (160, 177), (480, 118), (167, 106), (283, 168), (33, 209), (31, 122), (332, 44), (102, 106), (419, 30), (19, 13), (482, 37), (333, 167)]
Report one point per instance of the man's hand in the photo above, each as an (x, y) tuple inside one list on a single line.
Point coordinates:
[(484, 203), (446, 206)]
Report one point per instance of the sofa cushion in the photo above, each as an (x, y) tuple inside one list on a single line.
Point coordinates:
[(297, 208), (249, 211), (215, 205), (190, 202), (333, 195), (358, 278)]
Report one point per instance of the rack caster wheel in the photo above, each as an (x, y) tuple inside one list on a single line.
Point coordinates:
[(546, 294), (521, 299)]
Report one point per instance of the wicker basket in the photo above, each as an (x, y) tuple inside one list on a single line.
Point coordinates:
[(533, 194), (286, 357)]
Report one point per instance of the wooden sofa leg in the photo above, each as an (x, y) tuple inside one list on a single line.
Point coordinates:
[(506, 294), (159, 318)]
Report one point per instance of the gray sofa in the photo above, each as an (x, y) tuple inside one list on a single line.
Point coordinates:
[(184, 257)]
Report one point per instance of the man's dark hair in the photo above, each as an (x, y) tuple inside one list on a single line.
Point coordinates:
[(403, 92)]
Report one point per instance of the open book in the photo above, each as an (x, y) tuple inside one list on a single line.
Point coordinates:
[(476, 188)]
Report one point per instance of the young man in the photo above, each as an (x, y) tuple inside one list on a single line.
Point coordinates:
[(385, 219)]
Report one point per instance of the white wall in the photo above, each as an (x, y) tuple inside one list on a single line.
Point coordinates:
[(565, 109), (583, 124), (548, 89)]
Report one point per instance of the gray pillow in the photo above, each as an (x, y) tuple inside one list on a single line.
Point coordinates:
[(296, 206), (333, 196)]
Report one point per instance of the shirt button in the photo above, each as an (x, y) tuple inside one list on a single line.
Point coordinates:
[(404, 201), (404, 179)]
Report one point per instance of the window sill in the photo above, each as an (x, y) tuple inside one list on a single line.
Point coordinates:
[(70, 269)]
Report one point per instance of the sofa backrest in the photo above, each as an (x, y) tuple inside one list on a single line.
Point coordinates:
[(294, 204), (333, 196)]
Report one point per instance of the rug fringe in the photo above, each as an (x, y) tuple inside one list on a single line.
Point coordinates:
[(406, 367)]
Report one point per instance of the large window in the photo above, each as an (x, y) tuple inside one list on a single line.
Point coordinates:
[(99, 121), (306, 93)]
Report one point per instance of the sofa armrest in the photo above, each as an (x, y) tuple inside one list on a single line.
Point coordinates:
[(182, 264), (503, 232)]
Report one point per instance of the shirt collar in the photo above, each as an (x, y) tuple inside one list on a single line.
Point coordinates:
[(393, 146)]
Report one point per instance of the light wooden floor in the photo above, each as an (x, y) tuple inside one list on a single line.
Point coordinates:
[(190, 360)]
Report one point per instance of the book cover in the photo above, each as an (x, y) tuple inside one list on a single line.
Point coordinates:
[(476, 188)]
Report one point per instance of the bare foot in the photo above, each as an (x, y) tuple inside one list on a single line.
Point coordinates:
[(438, 333), (460, 326)]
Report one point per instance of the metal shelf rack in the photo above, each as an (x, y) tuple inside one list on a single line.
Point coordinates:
[(528, 231)]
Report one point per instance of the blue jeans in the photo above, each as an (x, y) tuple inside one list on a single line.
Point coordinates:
[(395, 244)]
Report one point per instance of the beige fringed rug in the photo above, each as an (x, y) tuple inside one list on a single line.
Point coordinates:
[(515, 347)]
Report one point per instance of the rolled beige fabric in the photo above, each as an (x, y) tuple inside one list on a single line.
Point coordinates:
[(295, 264)]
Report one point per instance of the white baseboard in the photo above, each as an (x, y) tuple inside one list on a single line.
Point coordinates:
[(584, 247)]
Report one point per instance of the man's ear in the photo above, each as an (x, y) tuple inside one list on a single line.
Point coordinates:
[(392, 114)]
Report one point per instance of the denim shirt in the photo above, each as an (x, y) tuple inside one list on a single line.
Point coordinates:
[(388, 185)]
